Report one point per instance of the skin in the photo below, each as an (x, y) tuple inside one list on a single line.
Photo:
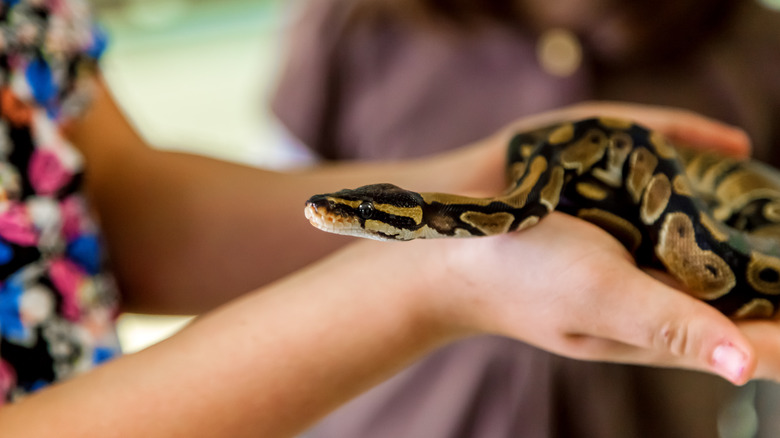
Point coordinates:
[(273, 361), (170, 218), (169, 221), (295, 354)]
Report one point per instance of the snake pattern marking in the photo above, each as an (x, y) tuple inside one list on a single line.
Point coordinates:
[(710, 221)]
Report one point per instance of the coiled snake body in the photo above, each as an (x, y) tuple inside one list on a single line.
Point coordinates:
[(711, 222)]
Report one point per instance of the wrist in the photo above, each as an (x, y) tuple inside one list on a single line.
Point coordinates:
[(404, 284), (445, 301), (415, 283)]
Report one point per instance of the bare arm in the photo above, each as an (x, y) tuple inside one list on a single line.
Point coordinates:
[(266, 365), (187, 233), (274, 361)]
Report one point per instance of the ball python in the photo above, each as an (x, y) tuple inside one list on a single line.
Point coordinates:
[(710, 221)]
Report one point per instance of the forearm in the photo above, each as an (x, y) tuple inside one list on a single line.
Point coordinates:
[(187, 232), (266, 365)]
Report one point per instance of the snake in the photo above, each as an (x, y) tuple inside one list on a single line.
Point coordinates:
[(710, 221)]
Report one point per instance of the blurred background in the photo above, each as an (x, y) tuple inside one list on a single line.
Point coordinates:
[(196, 75)]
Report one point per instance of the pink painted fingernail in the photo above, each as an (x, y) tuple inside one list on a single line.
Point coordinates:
[(729, 362)]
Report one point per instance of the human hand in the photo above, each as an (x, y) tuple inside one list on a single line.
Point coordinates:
[(680, 126), (476, 169), (570, 288)]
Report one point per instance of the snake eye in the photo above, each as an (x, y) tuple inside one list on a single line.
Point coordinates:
[(366, 210)]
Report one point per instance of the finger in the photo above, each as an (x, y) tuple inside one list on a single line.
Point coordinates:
[(608, 350), (692, 130), (680, 126), (689, 128), (640, 311)]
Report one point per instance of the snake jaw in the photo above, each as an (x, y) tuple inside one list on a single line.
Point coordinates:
[(327, 220)]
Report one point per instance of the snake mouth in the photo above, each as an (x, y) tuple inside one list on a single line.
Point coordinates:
[(326, 220)]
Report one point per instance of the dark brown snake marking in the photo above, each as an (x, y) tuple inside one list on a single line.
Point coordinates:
[(712, 222)]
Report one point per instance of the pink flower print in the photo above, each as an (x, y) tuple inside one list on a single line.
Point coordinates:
[(47, 173), (57, 7), (67, 279), (7, 380), (71, 219), (75, 220), (16, 226)]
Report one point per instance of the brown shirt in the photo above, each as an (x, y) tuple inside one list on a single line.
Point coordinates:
[(391, 89)]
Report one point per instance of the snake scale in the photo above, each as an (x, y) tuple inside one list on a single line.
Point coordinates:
[(710, 221)]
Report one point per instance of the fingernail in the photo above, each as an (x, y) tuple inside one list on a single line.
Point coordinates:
[(729, 362)]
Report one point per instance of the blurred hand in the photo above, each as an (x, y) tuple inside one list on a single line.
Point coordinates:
[(479, 169), (682, 127)]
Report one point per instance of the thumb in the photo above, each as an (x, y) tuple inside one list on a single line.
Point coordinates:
[(671, 328)]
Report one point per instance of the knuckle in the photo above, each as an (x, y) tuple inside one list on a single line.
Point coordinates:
[(674, 337)]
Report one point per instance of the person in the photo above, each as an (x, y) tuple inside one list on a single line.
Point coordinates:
[(273, 360), (375, 80)]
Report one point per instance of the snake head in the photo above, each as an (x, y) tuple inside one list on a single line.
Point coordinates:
[(377, 211)]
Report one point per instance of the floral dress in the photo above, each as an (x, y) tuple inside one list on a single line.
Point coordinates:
[(57, 304)]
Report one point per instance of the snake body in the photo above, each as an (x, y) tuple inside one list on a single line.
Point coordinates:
[(712, 222)]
